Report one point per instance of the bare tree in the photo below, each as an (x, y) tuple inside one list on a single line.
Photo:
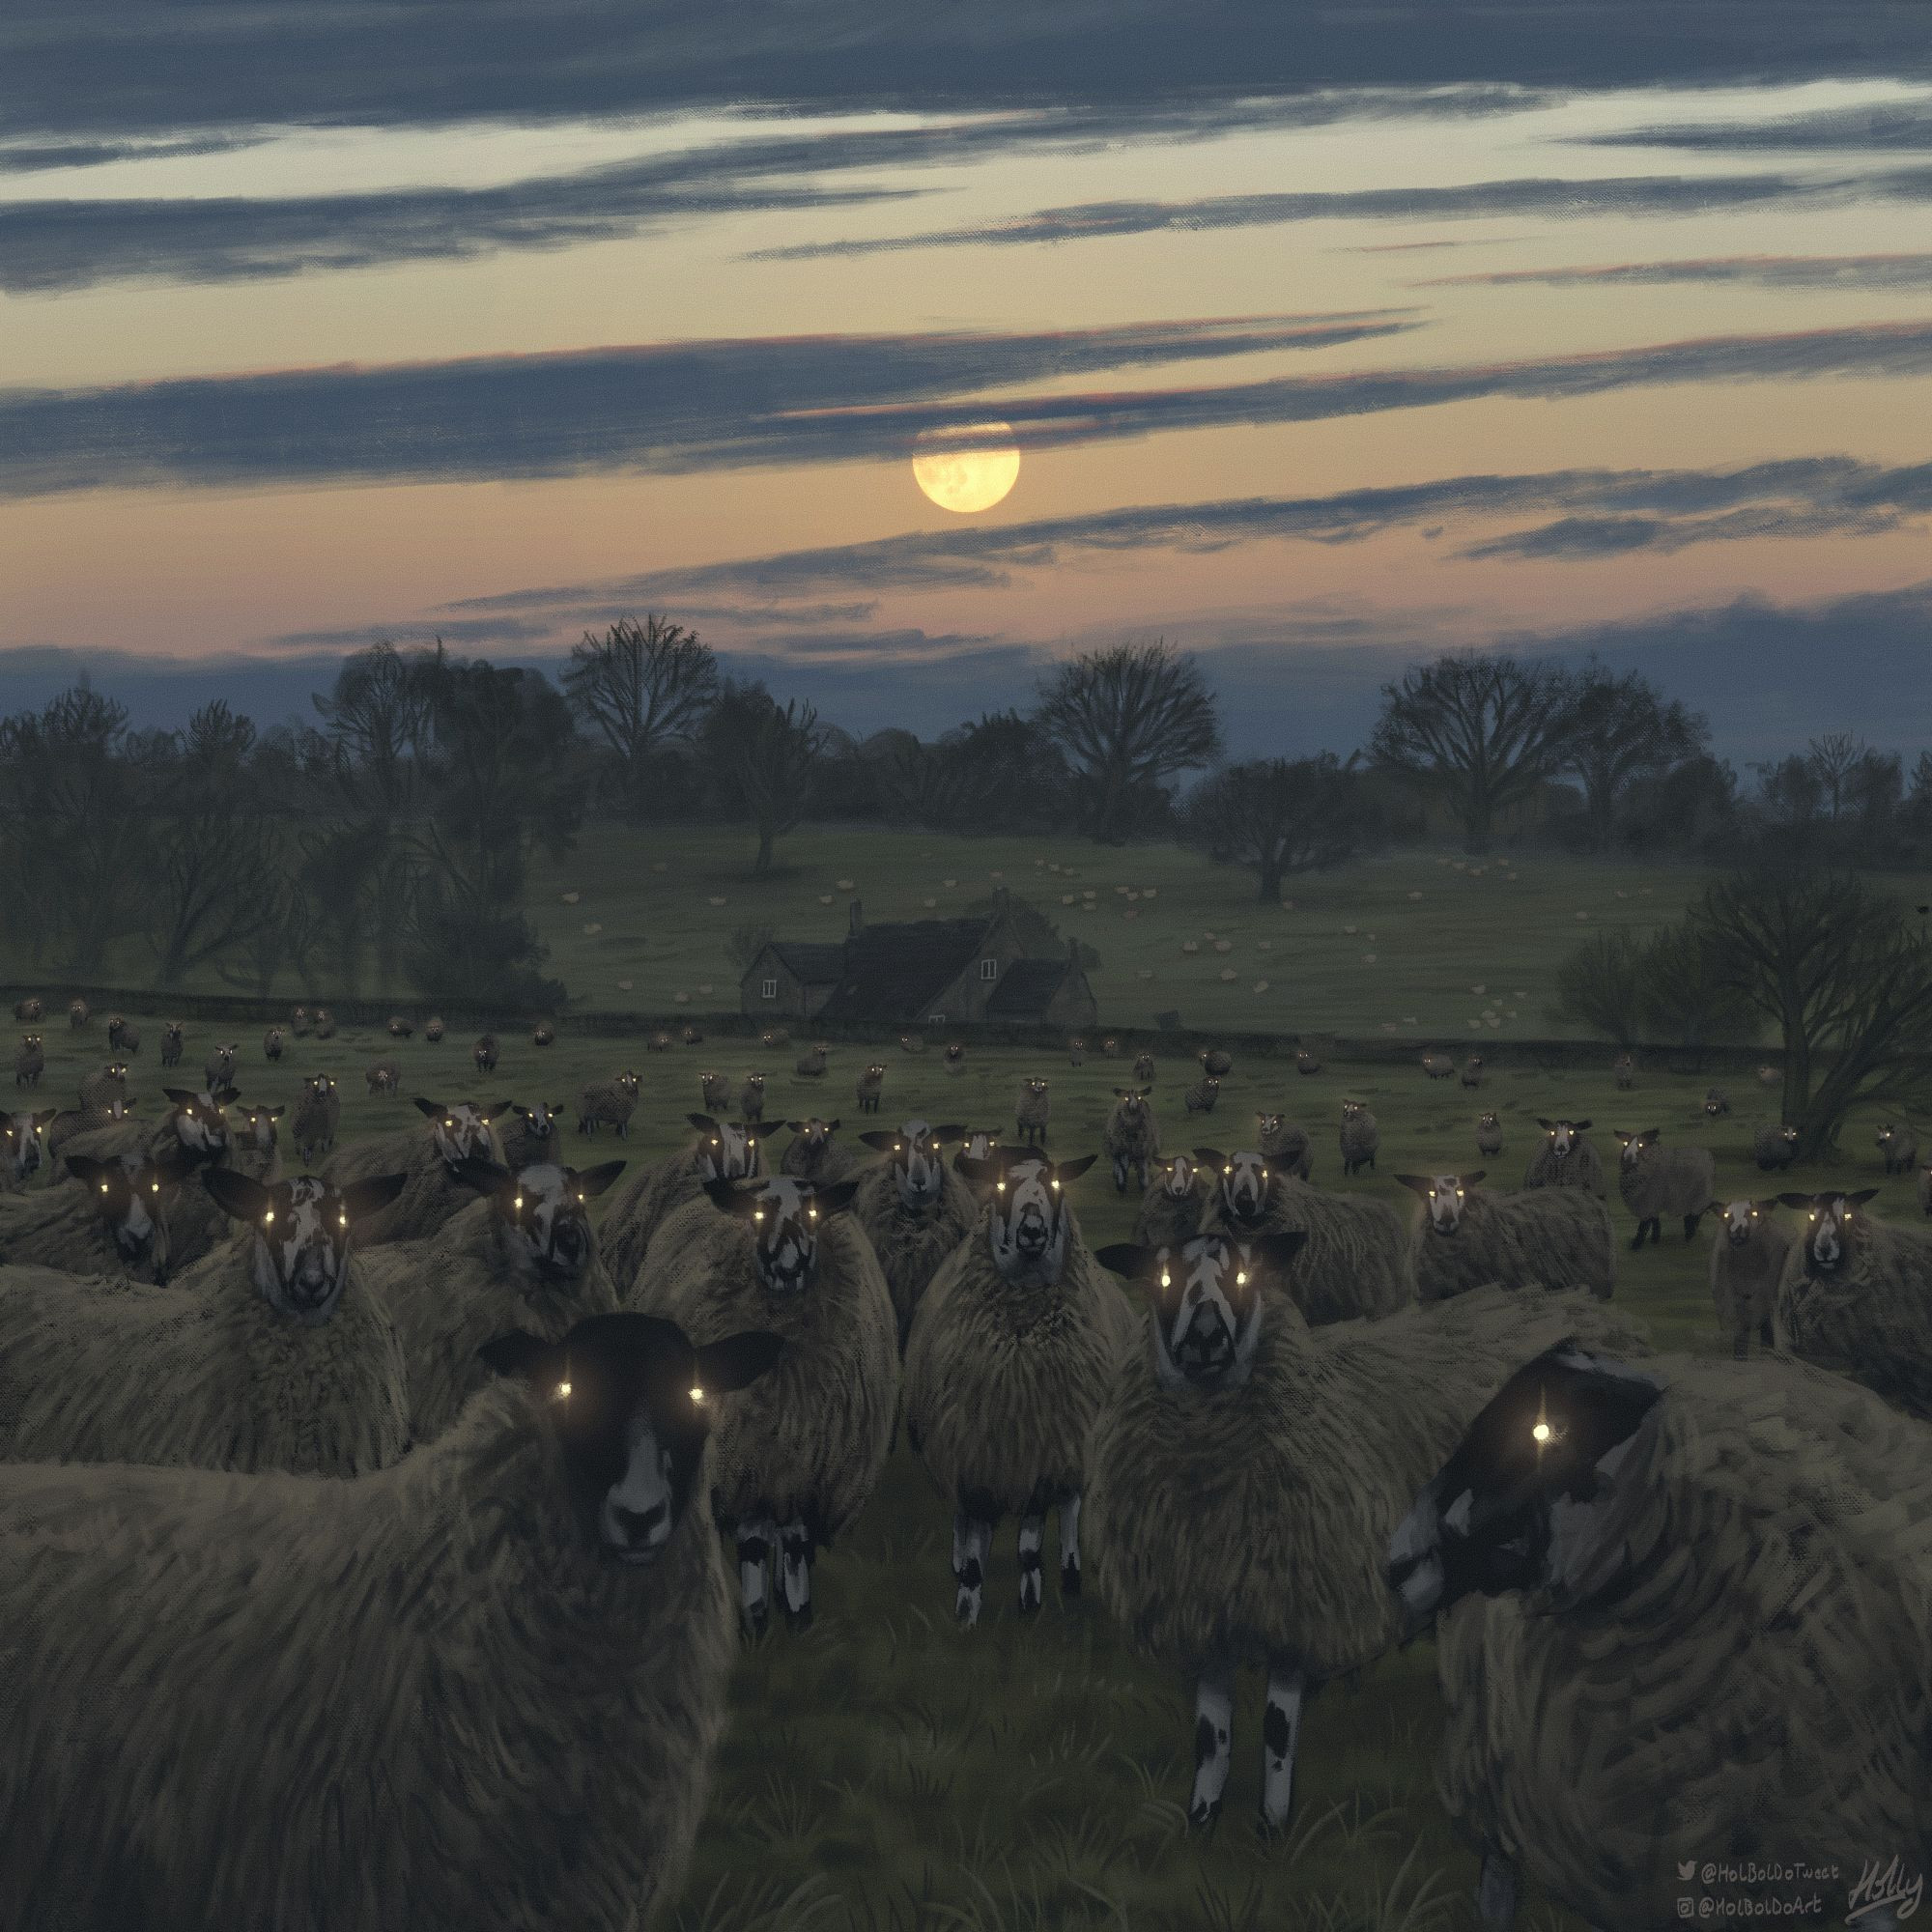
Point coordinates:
[(1600, 985), (1688, 999), (766, 753), (1127, 719), (1833, 759), (1280, 815), (1484, 731), (1622, 728), (644, 686)]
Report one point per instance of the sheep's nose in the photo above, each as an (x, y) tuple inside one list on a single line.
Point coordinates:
[(636, 1529)]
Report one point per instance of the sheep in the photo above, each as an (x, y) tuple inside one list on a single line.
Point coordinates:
[(1736, 1556), (815, 1152), (1356, 1260), (480, 1688), (1746, 1259), (110, 1216), (774, 1037), (795, 1460), (911, 1042), (1030, 1115), (810, 1065), (658, 1042), (977, 1146), (1144, 1069), (1132, 1137), (913, 1208), (1110, 1048), (1473, 1070), (117, 1026), (23, 1146), (692, 1037), (752, 1099), (74, 1123), (1855, 1295), (715, 1093), (269, 1354), (78, 1013), (543, 1034), (325, 1023), (1566, 1159), (401, 1027), (1076, 1051), (872, 1086), (1622, 1070), (609, 1103), (430, 1157), (299, 1023), (1439, 1066), (1247, 1471), (1773, 1146), (1172, 1209), (272, 1043), (1216, 1061), (1285, 1147), (172, 1037), (1898, 1148), (129, 1042), (434, 1029), (1202, 1096), (1715, 1103), (383, 1076), (219, 1070), (1305, 1062), (259, 1128), (954, 1060), (1769, 1076), (1360, 1137), (317, 1116), (30, 1008), (1489, 1134), (99, 1090), (484, 1053), (521, 1254), (1467, 1237), (30, 1060), (720, 1152), (1655, 1181), (1010, 1353)]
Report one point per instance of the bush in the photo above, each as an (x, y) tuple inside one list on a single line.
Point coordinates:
[(1600, 986)]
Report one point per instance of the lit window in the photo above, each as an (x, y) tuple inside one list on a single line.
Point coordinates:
[(989, 969), (770, 989)]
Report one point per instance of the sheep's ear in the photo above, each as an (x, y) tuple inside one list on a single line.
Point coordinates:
[(1648, 1134), (1210, 1156), (1863, 1195), (480, 1172), (1278, 1247), (1423, 1183), (831, 1126), (500, 1107), (41, 1120), (1784, 1200), (1579, 1127), (1073, 1170), (1762, 1206), (180, 1097), (836, 1196), (703, 1122), (519, 1353), (426, 1106), (1472, 1179), (882, 1138), (729, 1198), (738, 1360), (975, 1167), (276, 1113), (1128, 1260), (362, 1198), (1718, 1207), (1120, 1093), (794, 1127), (85, 1167), (1542, 1123), (236, 1194), (593, 1180)]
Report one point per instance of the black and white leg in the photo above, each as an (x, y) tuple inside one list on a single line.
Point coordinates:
[(1281, 1730), (756, 1537), (1214, 1743), (972, 1544), (1033, 1535), (1495, 1893), (795, 1547), (1070, 1546)]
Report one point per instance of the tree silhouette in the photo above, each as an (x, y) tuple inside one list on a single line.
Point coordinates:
[(644, 686), (766, 753), (1280, 815), (1622, 728)]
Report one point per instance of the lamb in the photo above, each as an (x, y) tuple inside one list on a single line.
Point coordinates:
[(543, 1034), (383, 1076), (1715, 1103), (1775, 1147), (523, 1253), (1305, 1062), (1489, 1134), (23, 1146), (1132, 1137), (810, 1065), (1076, 1051), (774, 1037), (535, 1736), (955, 1058), (1898, 1149), (219, 1071), (1010, 1353), (872, 1086), (714, 1092), (1030, 1115), (100, 1091), (272, 1043), (317, 1117), (913, 1208), (78, 1013), (815, 1152), (401, 1027), (30, 1060), (1751, 1544), (432, 1160), (1172, 1207), (1439, 1066), (752, 1100), (718, 1152), (30, 1008), (609, 1103), (1855, 1295), (299, 1023), (1746, 1259), (1214, 1061), (795, 1461), (1247, 1470), (172, 1037), (267, 1354), (1202, 1096), (434, 1029), (484, 1053), (1357, 1258), (1624, 1072), (1468, 1238), (911, 1042), (325, 1023), (1361, 1137), (1144, 1069), (109, 1217), (1655, 1181), (1285, 1147), (1566, 1159), (1473, 1070)]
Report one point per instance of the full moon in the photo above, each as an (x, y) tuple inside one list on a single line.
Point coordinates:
[(967, 470)]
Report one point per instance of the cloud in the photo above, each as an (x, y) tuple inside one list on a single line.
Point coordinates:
[(1891, 127), (1908, 273), (34, 158)]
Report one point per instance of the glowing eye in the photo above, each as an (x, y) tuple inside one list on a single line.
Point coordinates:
[(580, 1197), (697, 1395), (1167, 1280), (758, 1214), (1541, 1432), (814, 1213), (564, 1388), (153, 1187), (519, 1201), (103, 1189), (1056, 1187), (714, 1140), (1753, 1214), (1000, 1185), (1240, 1276), (1814, 1214), (1459, 1194), (268, 1217), (342, 1220)]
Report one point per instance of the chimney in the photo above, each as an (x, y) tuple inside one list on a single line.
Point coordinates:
[(858, 920)]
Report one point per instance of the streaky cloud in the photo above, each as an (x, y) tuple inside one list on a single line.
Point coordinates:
[(1878, 128), (40, 157), (1905, 272)]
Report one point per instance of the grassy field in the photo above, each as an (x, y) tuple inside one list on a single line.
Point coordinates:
[(890, 1773)]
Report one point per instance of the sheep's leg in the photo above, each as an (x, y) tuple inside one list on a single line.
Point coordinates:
[(1764, 1330), (1636, 1239), (795, 1572), (1033, 1534), (1741, 1344), (1280, 1727), (755, 1543), (972, 1543), (1119, 1174), (1070, 1546), (1690, 1226), (1495, 1893), (1214, 1743)]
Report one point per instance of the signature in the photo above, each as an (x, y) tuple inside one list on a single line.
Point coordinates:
[(1880, 1886)]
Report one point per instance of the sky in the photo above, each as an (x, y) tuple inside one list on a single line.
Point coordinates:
[(1330, 341)]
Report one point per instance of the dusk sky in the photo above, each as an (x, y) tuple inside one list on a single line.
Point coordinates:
[(1327, 341)]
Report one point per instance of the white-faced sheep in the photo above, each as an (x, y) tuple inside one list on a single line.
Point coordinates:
[(1360, 1136), (528, 1134), (1769, 1076), (1010, 1354), (795, 1460), (1750, 1543), (1131, 1138), (1746, 1261), (1657, 1181), (1203, 1097), (1773, 1146), (30, 1060), (504, 1661), (609, 1103), (1855, 1295), (1467, 1237), (720, 1152), (1172, 1209), (317, 1117), (815, 1152), (715, 1093), (173, 1036), (272, 1043), (1033, 1111), (1716, 1102), (484, 1053), (1624, 1072), (1489, 1134), (524, 1254), (219, 1070), (752, 1100), (110, 1216), (325, 1023), (1357, 1258), (383, 1076), (810, 1064), (269, 1354), (23, 1146), (1306, 1063), (913, 1208), (1247, 1471), (1473, 1070), (1285, 1147), (1897, 1147), (1564, 1158), (1144, 1069), (430, 1157), (872, 1086), (434, 1029), (78, 1013)]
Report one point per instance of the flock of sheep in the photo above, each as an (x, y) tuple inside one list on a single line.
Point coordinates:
[(372, 1537)]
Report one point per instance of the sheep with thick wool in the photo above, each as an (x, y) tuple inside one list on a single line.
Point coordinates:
[(1360, 1136), (317, 1117), (1897, 1147), (1247, 1471), (527, 1137), (1172, 1208), (795, 1460), (913, 1208), (109, 1217), (721, 1151), (609, 1103), (1683, 1608), (1467, 1237), (1011, 1351), (478, 1692), (1746, 1261), (269, 1354), (430, 1158), (1284, 1146), (815, 1152), (1131, 1138), (1658, 1180), (1773, 1146), (1564, 1158)]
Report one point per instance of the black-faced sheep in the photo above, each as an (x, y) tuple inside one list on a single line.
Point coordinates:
[(872, 1086), (1489, 1134), (1306, 1061), (30, 1008), (1716, 1102), (719, 1152), (692, 1037), (1624, 1072), (1439, 1066), (1897, 1147), (484, 1053), (1144, 1069), (110, 1216), (659, 1042), (317, 1117), (401, 1027), (1033, 1111), (219, 1070), (911, 1042), (173, 1037), (1203, 1097), (30, 1060), (815, 1152), (78, 1013), (954, 1058), (529, 1133), (434, 1029), (810, 1064), (913, 1208), (1466, 1236), (1656, 1180), (1216, 1061), (1361, 1137), (1564, 1158), (1473, 1070), (1286, 1147), (383, 1076), (100, 1089), (430, 1157), (1076, 1051), (774, 1037), (714, 1095), (1746, 1260), (752, 1100), (272, 1043), (1773, 1146), (1131, 1138)]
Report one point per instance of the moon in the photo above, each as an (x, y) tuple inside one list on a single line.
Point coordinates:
[(967, 470)]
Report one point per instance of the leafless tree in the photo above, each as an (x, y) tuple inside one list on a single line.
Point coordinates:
[(1280, 815), (644, 686), (767, 753), (1622, 728)]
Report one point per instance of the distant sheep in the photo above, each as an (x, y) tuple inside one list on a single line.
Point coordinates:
[(117, 1026), (911, 1042), (383, 1076), (219, 1070), (1473, 1070), (1076, 1051), (1624, 1072), (484, 1053), (1285, 1147), (715, 1093), (543, 1034), (1439, 1066), (659, 1042), (774, 1037), (1769, 1076), (172, 1035), (1361, 1137), (272, 1043), (1773, 1146), (1131, 1138), (810, 1064), (692, 1037), (31, 1008), (1031, 1115), (1746, 1261), (1467, 1237), (529, 1133), (609, 1103), (1489, 1134), (1564, 1158), (1203, 1097), (1657, 1181), (434, 1029), (317, 1117), (1216, 1061), (1144, 1069), (955, 1057), (299, 1023), (78, 1013), (1897, 1147), (1110, 1048), (325, 1023), (1716, 1103), (1306, 1061), (752, 1099), (401, 1027), (872, 1086), (30, 1062)]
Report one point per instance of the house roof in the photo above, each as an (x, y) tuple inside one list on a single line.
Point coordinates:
[(819, 963), (1027, 988), (893, 971)]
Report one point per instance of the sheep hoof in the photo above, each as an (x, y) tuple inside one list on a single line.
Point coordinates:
[(1069, 1580), (1268, 1831), (1204, 1815), (798, 1621), (755, 1625)]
